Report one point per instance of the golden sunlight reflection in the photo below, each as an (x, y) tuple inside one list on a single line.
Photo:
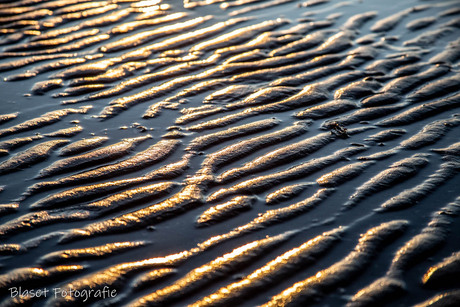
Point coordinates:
[(145, 3), (154, 8), (192, 4)]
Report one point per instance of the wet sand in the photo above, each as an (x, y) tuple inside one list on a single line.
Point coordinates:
[(230, 153)]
